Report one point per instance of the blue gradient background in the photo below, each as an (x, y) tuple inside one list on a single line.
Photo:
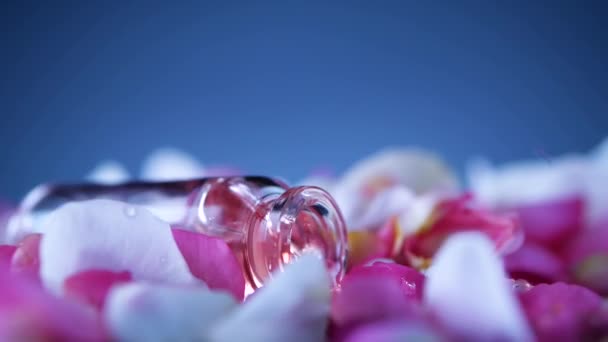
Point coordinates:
[(280, 88)]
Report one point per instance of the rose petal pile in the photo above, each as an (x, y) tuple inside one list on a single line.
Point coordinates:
[(521, 255)]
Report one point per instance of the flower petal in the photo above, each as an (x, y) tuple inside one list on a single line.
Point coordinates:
[(552, 222), (366, 245), (527, 182), (561, 312), (377, 292), (109, 172), (147, 312), (170, 164), (211, 260), (28, 313), (417, 171), (298, 298), (26, 260), (109, 235), (457, 215), (587, 258), (379, 208), (92, 286), (535, 264), (467, 288), (393, 331), (6, 255), (6, 211)]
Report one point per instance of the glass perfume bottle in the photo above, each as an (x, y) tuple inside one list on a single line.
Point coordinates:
[(265, 222)]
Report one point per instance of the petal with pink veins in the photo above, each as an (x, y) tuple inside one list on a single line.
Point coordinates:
[(154, 312), (293, 306), (109, 235), (211, 260), (561, 312), (467, 289), (92, 286)]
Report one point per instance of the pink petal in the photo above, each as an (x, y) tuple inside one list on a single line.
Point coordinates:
[(28, 313), (535, 263), (561, 312), (92, 286), (376, 292), (26, 260), (457, 215), (552, 222), (393, 330), (6, 255), (211, 260), (587, 257)]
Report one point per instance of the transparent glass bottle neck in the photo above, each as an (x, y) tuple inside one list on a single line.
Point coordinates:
[(266, 223)]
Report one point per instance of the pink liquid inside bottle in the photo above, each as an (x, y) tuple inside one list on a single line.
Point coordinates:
[(266, 223)]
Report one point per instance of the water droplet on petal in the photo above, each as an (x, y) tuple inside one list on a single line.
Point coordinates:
[(520, 285), (130, 211)]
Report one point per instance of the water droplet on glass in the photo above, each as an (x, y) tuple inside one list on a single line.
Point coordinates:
[(130, 211)]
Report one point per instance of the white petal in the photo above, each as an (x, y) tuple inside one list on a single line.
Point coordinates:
[(171, 164), (600, 153), (108, 172), (596, 186), (418, 170), (293, 307), (145, 312), (5, 215), (109, 235), (418, 213), (392, 201), (596, 194), (468, 289), (527, 182)]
